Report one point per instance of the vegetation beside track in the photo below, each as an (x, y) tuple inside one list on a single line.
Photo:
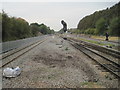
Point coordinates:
[(111, 38), (14, 28), (97, 42), (100, 22)]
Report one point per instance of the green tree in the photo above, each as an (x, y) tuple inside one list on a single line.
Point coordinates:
[(17, 28), (6, 27), (101, 26), (20, 28), (52, 31), (91, 20), (34, 28), (43, 29), (14, 28), (90, 31), (115, 26)]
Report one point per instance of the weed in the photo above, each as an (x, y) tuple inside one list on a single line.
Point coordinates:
[(91, 85), (66, 48), (106, 76), (97, 42)]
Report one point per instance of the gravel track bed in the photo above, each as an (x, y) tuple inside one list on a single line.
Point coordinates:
[(54, 64)]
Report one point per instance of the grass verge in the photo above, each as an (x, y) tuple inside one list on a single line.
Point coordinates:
[(97, 42)]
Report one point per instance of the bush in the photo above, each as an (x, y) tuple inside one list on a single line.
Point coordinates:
[(115, 26), (17, 28), (101, 26), (90, 31)]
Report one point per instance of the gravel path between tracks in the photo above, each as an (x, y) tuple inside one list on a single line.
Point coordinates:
[(54, 64)]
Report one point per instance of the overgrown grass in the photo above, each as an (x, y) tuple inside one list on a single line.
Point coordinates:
[(103, 37), (91, 85), (97, 42)]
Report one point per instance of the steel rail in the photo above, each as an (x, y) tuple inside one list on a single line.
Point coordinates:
[(113, 64), (31, 47)]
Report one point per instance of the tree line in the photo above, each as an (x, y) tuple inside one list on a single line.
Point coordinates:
[(18, 28), (100, 22)]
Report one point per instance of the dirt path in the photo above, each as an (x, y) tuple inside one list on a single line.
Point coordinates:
[(54, 64)]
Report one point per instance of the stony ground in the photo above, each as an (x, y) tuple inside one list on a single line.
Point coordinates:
[(57, 64)]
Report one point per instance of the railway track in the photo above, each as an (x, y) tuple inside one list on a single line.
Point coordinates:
[(109, 51), (107, 63), (13, 55)]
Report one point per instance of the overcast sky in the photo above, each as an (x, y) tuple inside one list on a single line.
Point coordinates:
[(51, 13)]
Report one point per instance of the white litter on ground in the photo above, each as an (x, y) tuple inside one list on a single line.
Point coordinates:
[(9, 72)]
